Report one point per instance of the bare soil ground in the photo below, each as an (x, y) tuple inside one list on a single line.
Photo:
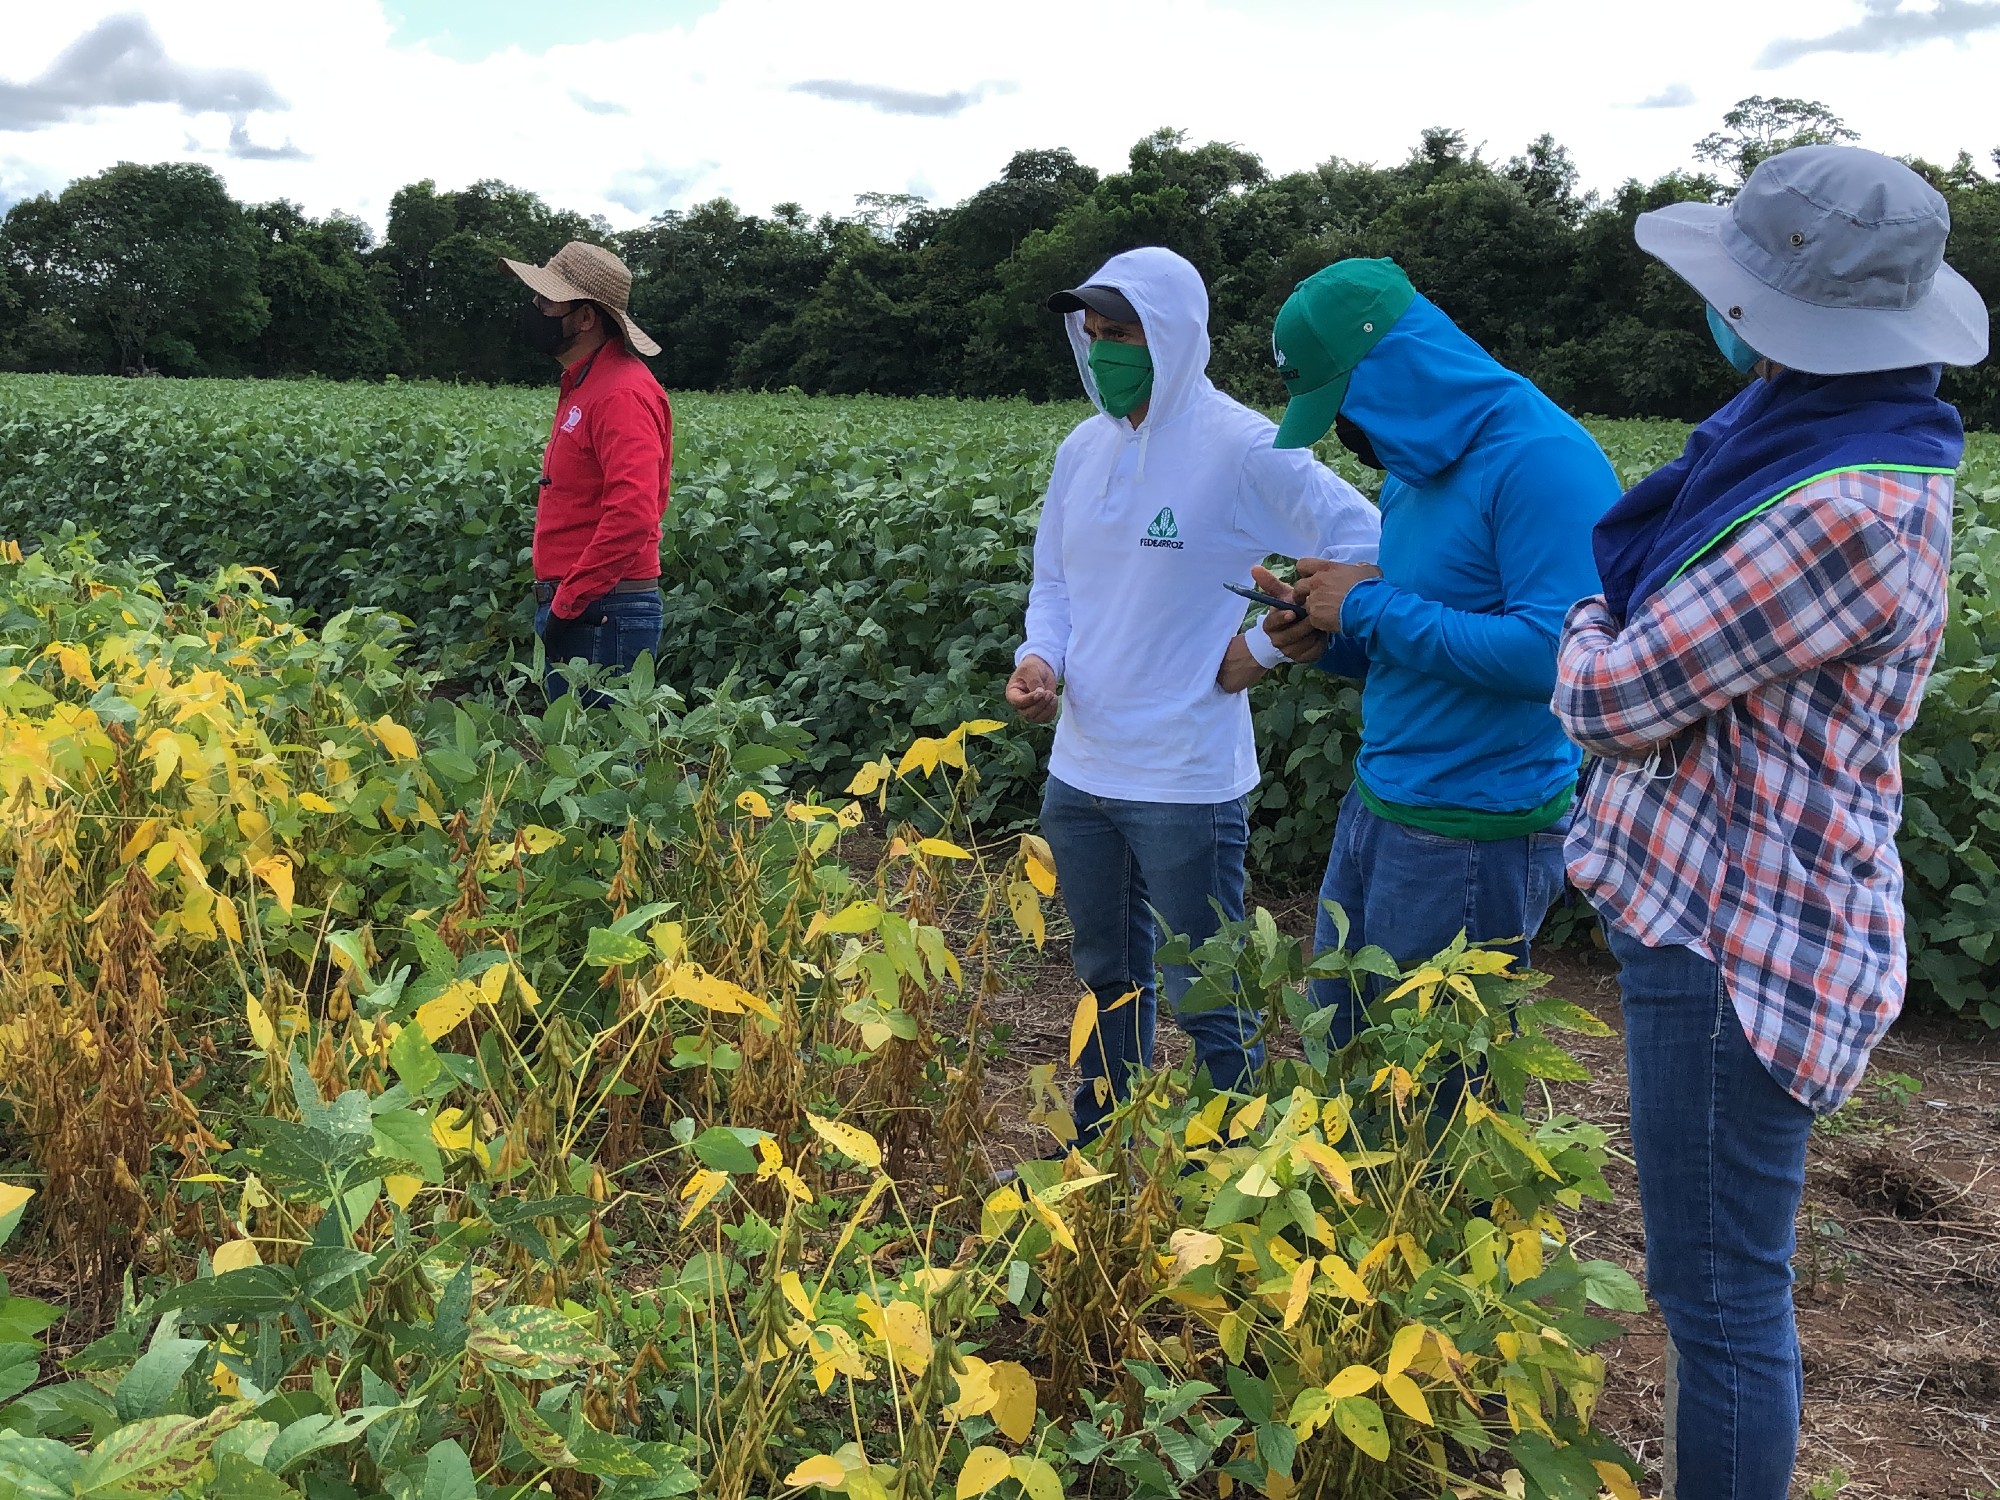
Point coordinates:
[(1899, 1237)]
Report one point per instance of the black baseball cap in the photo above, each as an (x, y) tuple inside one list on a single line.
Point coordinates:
[(1106, 301)]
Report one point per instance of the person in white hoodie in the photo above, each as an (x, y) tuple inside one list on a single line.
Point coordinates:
[(1170, 492)]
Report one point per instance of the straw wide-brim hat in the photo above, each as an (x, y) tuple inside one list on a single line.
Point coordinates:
[(583, 272)]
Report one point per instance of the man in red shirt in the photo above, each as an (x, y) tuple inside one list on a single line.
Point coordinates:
[(606, 468)]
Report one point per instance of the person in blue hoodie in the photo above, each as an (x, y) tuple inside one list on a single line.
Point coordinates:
[(1463, 784)]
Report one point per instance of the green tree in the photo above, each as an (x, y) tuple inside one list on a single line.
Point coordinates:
[(327, 313), (713, 285), (451, 300), (1758, 128), (156, 264)]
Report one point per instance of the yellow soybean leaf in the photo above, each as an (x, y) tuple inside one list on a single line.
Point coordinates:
[(262, 1033), (1408, 1397), (903, 1328), (1037, 1478), (491, 983), (700, 1191), (452, 1130), (1247, 1117), (275, 870), (942, 848), (823, 1470), (975, 1390), (528, 991), (1026, 906), (440, 1016), (141, 840), (834, 1352), (998, 1211), (402, 1188), (794, 1292), (1403, 1348), (1013, 1400), (1193, 1249), (1524, 1255), (426, 815), (1615, 1479), (226, 919), (314, 802), (1053, 1221), (851, 1141), (856, 917), (1207, 1126), (1352, 1381), (12, 1198), (984, 1468), (870, 777), (1426, 975), (235, 1256), (753, 803), (1256, 1182), (849, 816), (397, 740), (1329, 1164), (1041, 877), (1298, 1292), (1081, 1025), (982, 726)]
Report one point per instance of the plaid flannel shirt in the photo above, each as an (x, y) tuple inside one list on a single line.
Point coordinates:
[(1749, 789)]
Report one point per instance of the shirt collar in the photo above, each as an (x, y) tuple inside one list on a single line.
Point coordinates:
[(579, 372)]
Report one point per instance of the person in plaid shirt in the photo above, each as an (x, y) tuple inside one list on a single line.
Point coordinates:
[(1773, 601)]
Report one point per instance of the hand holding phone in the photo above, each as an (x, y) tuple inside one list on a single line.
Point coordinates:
[(1269, 601)]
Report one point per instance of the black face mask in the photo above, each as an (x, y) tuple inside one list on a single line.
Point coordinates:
[(539, 330), (1356, 442)]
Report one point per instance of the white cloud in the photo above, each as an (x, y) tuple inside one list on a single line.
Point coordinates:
[(1673, 96), (669, 116)]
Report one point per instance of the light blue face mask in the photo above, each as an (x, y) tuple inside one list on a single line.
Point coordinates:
[(1742, 358)]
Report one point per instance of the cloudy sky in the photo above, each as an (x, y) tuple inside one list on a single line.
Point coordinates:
[(628, 107)]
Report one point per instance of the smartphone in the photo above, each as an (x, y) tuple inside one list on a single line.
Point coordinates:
[(1269, 601)]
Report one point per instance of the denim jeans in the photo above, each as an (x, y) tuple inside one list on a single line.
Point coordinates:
[(1115, 858), (1721, 1150), (611, 632), (1411, 892)]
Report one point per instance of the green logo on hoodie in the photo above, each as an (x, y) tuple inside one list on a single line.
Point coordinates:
[(1163, 531)]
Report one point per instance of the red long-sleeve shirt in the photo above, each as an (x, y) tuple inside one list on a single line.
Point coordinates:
[(605, 475)]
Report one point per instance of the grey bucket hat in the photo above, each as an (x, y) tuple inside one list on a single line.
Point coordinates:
[(1831, 261)]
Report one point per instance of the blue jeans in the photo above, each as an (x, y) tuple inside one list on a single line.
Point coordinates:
[(611, 632), (1721, 1150), (1115, 858), (1411, 892)]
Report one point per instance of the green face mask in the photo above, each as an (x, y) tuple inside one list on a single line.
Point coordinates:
[(1124, 375)]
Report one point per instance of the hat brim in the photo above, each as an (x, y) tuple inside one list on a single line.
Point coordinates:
[(546, 283), (1948, 327), (1105, 301), (1309, 415)]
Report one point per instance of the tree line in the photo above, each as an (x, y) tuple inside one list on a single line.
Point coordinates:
[(155, 268)]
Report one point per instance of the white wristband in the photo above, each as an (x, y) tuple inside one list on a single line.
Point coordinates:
[(1266, 652)]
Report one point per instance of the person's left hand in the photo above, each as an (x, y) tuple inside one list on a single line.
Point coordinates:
[(1323, 586)]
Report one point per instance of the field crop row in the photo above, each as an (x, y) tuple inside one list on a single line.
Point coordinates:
[(859, 562)]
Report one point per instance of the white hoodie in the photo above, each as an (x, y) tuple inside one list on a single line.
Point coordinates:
[(1140, 530)]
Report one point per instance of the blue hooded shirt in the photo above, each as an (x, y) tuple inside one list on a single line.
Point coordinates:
[(1487, 512)]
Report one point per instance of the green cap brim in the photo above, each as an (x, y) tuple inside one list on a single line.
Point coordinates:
[(1309, 415)]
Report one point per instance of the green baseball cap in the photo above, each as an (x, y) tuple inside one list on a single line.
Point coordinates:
[(1328, 324)]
